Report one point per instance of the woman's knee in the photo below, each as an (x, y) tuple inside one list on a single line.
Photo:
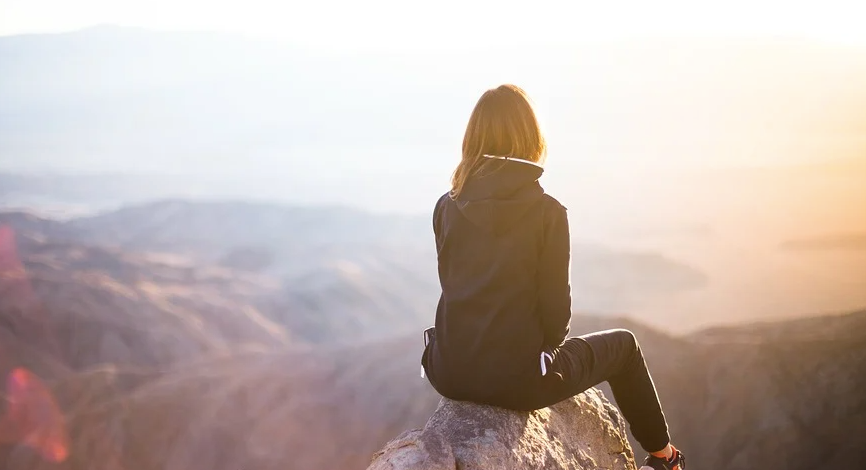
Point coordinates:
[(627, 339)]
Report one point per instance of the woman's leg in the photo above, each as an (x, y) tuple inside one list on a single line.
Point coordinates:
[(614, 356)]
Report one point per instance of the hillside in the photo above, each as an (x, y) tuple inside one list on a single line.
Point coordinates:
[(321, 288), (141, 349), (338, 271), (762, 395), (264, 410), (94, 305), (158, 362), (337, 406), (803, 388), (269, 409)]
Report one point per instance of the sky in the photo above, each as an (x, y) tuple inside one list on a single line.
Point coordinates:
[(676, 109), (450, 24)]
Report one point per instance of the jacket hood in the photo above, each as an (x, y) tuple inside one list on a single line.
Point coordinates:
[(499, 196)]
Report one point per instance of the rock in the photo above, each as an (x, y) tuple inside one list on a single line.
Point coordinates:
[(581, 433)]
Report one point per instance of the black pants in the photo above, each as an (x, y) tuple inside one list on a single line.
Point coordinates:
[(615, 357)]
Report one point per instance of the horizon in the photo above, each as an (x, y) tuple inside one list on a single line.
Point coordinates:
[(242, 118), (280, 120)]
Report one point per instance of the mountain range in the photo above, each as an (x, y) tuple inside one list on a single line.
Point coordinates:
[(315, 261), (217, 251), (163, 363)]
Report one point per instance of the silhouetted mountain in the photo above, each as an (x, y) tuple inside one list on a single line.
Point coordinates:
[(65, 195), (835, 242), (214, 228)]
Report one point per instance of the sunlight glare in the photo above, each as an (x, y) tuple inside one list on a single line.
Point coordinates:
[(450, 23)]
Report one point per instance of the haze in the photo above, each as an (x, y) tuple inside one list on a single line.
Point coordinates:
[(723, 140), (215, 219)]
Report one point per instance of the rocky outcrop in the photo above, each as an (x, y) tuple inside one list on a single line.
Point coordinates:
[(584, 432)]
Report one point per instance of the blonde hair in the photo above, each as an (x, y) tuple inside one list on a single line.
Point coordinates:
[(503, 124)]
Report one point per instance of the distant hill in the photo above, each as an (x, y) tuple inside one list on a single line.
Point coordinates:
[(89, 306), (320, 291), (216, 226), (339, 270), (72, 195), (834, 242)]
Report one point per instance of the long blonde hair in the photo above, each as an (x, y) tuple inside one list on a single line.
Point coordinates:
[(503, 124)]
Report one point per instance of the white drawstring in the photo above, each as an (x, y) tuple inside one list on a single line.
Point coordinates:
[(426, 342), (544, 355), (521, 160), (543, 363)]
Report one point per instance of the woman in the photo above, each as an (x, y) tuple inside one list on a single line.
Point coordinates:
[(501, 329)]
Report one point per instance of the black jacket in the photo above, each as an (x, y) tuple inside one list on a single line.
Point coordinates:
[(504, 258)]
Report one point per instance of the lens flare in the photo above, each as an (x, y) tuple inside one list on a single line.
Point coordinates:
[(33, 418)]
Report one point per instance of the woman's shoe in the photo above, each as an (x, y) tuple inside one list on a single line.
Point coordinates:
[(676, 462)]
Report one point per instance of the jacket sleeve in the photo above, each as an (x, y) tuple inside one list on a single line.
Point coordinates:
[(554, 278)]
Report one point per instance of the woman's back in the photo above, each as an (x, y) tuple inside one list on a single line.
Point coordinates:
[(504, 265), (490, 244)]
